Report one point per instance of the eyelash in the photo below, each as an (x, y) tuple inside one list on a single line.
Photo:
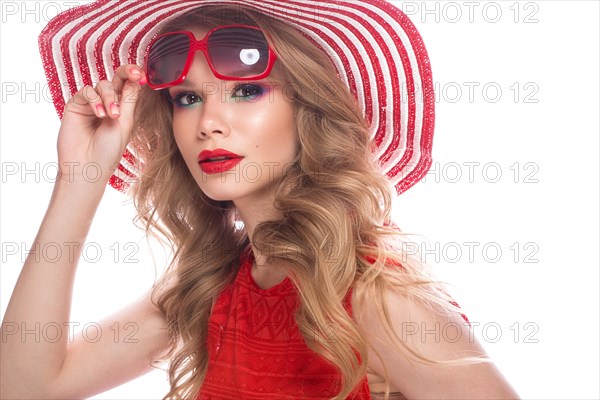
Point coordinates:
[(255, 90)]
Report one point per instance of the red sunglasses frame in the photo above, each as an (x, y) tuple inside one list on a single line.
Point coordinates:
[(202, 45)]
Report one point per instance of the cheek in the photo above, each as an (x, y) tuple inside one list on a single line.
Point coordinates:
[(279, 142), (288, 133), (176, 124), (182, 131), (277, 127)]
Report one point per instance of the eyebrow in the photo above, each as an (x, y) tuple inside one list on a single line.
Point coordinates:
[(240, 71), (186, 83), (189, 84)]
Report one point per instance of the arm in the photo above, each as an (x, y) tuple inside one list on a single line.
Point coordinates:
[(32, 368), (419, 380), (95, 367)]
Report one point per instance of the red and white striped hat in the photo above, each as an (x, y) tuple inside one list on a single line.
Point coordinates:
[(376, 49)]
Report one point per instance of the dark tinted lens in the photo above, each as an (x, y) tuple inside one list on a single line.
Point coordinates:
[(238, 52), (167, 58)]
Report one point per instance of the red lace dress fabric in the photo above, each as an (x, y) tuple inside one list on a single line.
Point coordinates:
[(256, 350)]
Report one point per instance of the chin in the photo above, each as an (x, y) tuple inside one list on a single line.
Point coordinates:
[(217, 195), (221, 192), (218, 198), (231, 191)]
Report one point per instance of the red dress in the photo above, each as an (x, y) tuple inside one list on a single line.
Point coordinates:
[(256, 350)]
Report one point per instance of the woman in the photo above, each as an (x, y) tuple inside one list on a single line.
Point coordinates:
[(255, 162)]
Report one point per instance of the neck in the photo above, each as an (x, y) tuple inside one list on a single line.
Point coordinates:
[(264, 272), (252, 212)]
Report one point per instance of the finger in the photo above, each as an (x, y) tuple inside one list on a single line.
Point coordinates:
[(129, 72), (87, 96), (109, 98), (129, 99), (129, 77)]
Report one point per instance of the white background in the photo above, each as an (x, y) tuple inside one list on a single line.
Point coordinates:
[(536, 302)]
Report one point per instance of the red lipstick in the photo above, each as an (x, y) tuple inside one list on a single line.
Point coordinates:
[(218, 161)]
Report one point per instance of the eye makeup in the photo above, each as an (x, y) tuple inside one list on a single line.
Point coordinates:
[(241, 92)]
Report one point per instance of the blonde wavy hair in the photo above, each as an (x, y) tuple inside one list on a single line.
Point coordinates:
[(335, 233)]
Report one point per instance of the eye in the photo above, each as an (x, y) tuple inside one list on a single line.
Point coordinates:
[(248, 91), (185, 99)]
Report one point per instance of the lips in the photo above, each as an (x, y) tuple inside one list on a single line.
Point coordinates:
[(218, 161)]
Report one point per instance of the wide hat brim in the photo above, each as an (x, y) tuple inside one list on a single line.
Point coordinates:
[(376, 49)]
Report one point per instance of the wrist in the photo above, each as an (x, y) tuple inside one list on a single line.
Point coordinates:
[(78, 189), (86, 174)]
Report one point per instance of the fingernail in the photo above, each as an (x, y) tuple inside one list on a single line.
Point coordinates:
[(143, 81), (114, 109), (100, 110), (135, 71)]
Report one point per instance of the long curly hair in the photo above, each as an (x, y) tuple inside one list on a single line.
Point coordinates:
[(335, 234)]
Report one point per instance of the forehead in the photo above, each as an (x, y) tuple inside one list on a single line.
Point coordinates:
[(199, 31)]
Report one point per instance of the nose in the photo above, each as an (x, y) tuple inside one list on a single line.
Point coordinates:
[(213, 118)]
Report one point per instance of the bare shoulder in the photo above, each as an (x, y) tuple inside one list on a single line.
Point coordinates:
[(435, 336), (128, 342)]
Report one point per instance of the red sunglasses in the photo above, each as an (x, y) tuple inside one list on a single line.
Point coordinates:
[(233, 52)]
